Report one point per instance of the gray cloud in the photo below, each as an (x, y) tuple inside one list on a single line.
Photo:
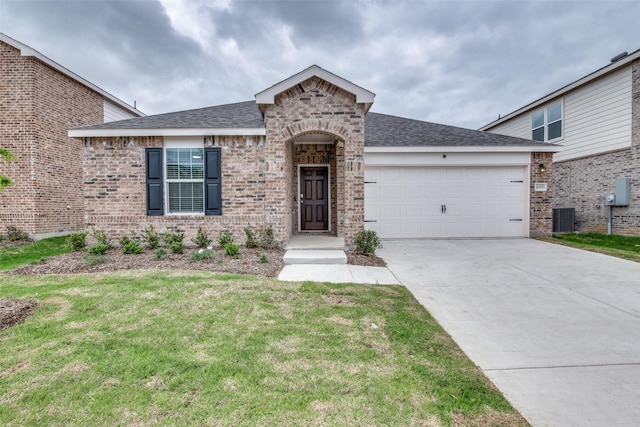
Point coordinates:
[(455, 62)]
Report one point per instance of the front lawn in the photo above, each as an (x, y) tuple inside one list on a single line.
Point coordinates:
[(33, 252), (626, 247), (200, 348)]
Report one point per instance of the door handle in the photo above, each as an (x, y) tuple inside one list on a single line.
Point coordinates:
[(445, 208)]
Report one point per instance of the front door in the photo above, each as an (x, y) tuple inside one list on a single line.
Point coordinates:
[(314, 200)]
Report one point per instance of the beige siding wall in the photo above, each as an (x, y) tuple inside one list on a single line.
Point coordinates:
[(596, 118), (113, 113)]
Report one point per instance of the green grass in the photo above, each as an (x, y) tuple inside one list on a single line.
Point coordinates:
[(196, 348), (610, 244), (30, 253)]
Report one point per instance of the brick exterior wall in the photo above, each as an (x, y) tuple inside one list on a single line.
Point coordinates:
[(115, 190), (316, 107), (583, 183), (38, 105), (540, 205)]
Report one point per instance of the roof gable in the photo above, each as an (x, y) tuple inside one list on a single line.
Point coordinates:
[(363, 96)]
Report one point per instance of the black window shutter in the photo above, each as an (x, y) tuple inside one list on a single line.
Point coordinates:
[(212, 182), (154, 181)]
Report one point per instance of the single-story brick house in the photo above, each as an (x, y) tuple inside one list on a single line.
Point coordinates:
[(307, 156)]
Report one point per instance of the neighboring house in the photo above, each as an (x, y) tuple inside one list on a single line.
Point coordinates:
[(596, 120), (39, 101), (307, 156)]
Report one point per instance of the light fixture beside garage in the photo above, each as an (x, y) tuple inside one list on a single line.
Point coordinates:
[(542, 167)]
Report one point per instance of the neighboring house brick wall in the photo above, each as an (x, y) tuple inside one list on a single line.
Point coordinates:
[(316, 106), (541, 212), (115, 191), (39, 105)]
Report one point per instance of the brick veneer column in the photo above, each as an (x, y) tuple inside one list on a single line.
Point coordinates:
[(541, 208)]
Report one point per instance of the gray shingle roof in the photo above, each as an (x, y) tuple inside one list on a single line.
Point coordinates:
[(382, 130), (239, 115)]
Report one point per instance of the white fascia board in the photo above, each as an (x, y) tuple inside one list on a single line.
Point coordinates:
[(566, 89), (467, 149), (267, 96), (28, 51), (88, 133)]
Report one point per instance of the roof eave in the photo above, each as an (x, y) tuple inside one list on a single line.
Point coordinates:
[(565, 89), (467, 149), (91, 133)]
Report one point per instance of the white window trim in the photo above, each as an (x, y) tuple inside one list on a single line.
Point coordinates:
[(180, 142), (545, 126)]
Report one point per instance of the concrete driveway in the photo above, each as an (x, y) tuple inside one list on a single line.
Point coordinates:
[(556, 329)]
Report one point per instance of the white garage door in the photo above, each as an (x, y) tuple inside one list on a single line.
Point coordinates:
[(446, 201)]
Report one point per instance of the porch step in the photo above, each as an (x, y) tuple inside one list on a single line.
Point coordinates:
[(315, 256), (311, 241)]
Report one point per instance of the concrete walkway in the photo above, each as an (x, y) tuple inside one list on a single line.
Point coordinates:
[(556, 329), (337, 273)]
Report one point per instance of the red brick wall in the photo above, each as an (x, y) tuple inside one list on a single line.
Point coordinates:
[(39, 105)]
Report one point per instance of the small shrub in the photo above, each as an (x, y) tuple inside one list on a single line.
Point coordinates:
[(94, 259), (76, 242), (160, 254), (267, 241), (201, 255), (14, 234), (251, 238), (150, 237), (101, 237), (176, 246), (129, 246), (367, 242), (201, 240), (172, 236), (99, 249), (225, 238), (263, 258), (232, 250)]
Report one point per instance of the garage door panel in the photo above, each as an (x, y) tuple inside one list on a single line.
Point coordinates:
[(479, 201)]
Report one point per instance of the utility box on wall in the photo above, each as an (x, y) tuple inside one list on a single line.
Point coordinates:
[(623, 186)]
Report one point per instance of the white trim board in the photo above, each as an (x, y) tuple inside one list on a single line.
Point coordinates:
[(89, 133)]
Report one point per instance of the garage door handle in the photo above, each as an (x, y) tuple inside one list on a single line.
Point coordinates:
[(443, 209)]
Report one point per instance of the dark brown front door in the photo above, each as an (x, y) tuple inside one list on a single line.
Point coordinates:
[(314, 200)]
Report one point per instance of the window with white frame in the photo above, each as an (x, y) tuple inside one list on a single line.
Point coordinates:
[(185, 180), (546, 123)]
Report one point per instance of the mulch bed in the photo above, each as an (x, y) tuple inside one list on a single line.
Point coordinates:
[(14, 311), (248, 262), (6, 243)]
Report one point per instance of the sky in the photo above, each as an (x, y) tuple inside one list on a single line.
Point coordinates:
[(459, 63)]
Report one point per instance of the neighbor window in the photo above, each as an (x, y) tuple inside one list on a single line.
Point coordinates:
[(185, 180), (546, 123)]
